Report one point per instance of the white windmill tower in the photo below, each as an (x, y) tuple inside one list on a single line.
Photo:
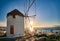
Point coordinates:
[(15, 24)]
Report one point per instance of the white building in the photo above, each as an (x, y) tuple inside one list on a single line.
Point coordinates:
[(15, 24)]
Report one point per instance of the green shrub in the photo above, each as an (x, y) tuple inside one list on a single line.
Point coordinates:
[(52, 36), (42, 35)]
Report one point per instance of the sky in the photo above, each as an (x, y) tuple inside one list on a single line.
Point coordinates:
[(47, 11)]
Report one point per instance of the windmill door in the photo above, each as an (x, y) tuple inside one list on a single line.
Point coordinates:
[(11, 29)]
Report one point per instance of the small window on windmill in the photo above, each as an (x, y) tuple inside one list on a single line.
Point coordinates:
[(11, 29), (13, 16)]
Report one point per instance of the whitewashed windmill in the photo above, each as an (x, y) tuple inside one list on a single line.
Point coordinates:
[(15, 24)]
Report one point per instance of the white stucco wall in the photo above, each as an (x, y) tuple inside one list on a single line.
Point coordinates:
[(18, 23)]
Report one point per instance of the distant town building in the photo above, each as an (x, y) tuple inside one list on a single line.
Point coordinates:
[(2, 28), (15, 24), (49, 31)]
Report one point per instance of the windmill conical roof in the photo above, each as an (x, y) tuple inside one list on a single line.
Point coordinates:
[(15, 12)]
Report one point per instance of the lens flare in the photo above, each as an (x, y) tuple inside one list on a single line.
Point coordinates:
[(31, 22), (31, 29)]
